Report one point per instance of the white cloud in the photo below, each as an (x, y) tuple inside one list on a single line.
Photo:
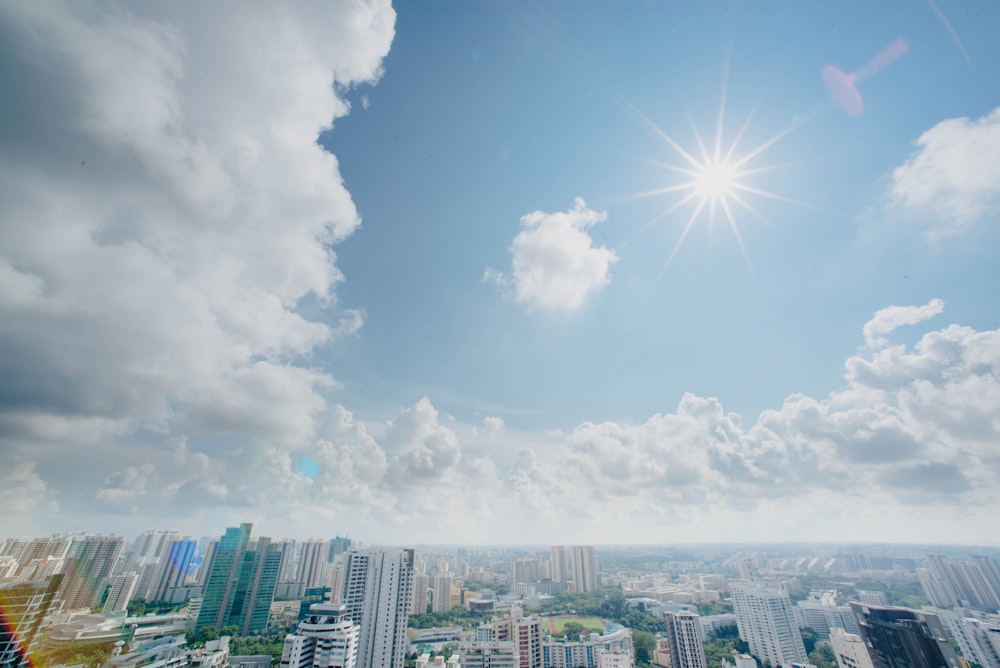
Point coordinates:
[(890, 318), (556, 266), (953, 178), (167, 205), (493, 424)]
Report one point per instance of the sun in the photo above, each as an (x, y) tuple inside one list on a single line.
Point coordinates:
[(715, 179)]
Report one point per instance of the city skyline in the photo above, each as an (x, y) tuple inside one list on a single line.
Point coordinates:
[(623, 275)]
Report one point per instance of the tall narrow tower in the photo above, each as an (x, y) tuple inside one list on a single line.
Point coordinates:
[(378, 587), (558, 563), (584, 568), (685, 639)]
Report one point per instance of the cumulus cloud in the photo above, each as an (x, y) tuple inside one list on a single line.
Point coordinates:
[(953, 176), (555, 265), (166, 207)]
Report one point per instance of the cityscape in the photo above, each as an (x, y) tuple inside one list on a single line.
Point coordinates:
[(499, 334), (246, 601)]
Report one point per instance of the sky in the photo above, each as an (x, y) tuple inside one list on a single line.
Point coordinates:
[(502, 272)]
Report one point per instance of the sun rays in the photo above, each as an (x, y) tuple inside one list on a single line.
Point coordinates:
[(713, 179)]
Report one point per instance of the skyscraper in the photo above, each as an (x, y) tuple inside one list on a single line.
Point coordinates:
[(766, 622), (87, 569), (241, 581), (418, 604), (685, 640), (584, 569), (902, 638), (378, 585), (312, 558), (558, 563)]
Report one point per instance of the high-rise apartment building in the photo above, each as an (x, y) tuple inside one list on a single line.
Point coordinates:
[(312, 559), (378, 586), (418, 604), (179, 567), (87, 569), (23, 606), (974, 583), (120, 590), (441, 597), (902, 638), (525, 632), (241, 582), (326, 638), (557, 563), (584, 569), (766, 622), (685, 640)]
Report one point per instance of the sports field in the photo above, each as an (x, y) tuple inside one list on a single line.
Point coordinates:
[(557, 624)]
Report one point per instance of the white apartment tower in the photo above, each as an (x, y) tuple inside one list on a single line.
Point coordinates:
[(326, 638), (584, 569), (441, 601), (685, 640), (558, 563), (418, 604), (311, 562), (766, 621), (119, 592), (378, 587)]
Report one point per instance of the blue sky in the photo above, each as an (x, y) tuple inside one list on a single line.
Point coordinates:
[(432, 295)]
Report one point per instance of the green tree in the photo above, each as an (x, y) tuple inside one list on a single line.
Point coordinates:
[(645, 645), (823, 657), (809, 639)]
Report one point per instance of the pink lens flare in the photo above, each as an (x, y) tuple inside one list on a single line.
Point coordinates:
[(841, 88), (883, 59)]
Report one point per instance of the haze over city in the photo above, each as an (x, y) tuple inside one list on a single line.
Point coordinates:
[(501, 273)]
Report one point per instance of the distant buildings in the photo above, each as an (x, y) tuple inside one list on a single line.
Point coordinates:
[(557, 563), (974, 583), (584, 569), (87, 568), (766, 622), (241, 581)]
